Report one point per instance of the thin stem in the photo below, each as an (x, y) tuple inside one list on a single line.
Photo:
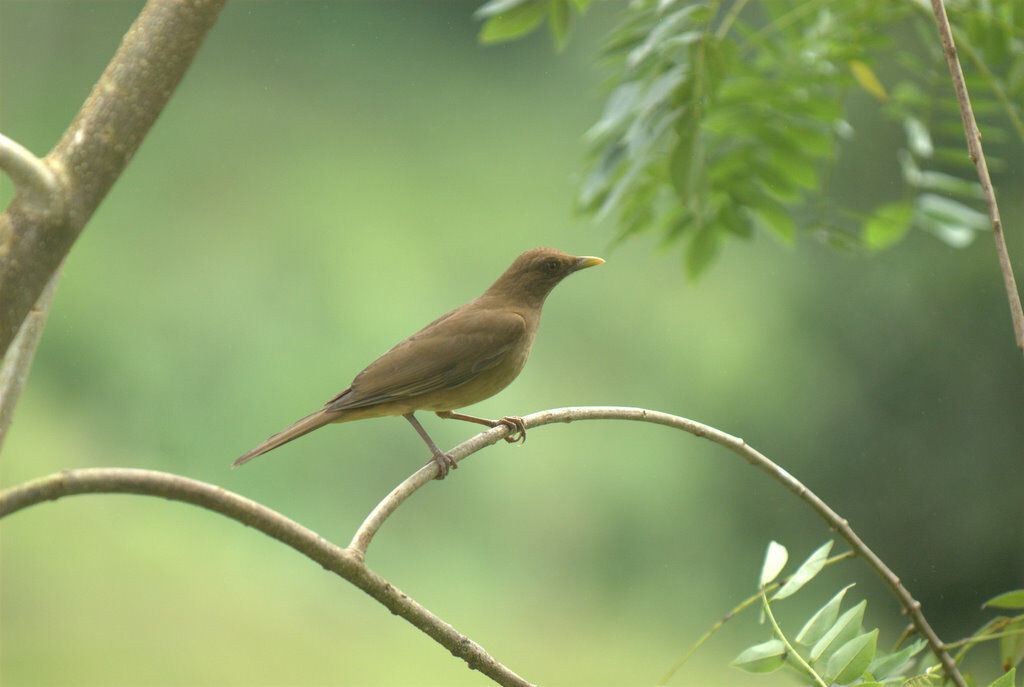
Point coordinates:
[(790, 651), (974, 148), (971, 641), (730, 17), (990, 630), (33, 179), (332, 557), (904, 636), (18, 360), (911, 606), (742, 606)]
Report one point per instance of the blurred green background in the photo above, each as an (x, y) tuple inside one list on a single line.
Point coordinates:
[(331, 176)]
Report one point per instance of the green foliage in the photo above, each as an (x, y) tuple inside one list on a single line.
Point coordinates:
[(806, 572), (765, 657), (726, 118), (1014, 599), (774, 561), (1008, 679), (852, 658), (834, 649), (506, 20), (823, 619)]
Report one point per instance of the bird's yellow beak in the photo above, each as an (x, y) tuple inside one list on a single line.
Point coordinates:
[(588, 261)]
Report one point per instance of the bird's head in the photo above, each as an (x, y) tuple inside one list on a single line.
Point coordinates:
[(533, 274)]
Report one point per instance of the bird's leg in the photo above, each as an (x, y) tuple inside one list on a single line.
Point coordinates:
[(513, 422), (443, 460)]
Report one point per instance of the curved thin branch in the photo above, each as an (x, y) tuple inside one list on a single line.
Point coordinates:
[(95, 149), (911, 606), (332, 557), (349, 562), (978, 157), (18, 360)]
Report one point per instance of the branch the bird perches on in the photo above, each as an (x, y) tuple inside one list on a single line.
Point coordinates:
[(349, 562)]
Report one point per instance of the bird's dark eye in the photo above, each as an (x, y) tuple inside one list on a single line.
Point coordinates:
[(551, 266)]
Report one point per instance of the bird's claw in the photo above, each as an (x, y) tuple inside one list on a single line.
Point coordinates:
[(518, 427), (444, 463)]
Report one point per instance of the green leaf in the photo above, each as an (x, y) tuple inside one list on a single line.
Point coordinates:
[(665, 28), (582, 5), (797, 169), (1008, 679), (845, 628), (518, 21), (489, 9), (953, 223), (685, 156), (734, 221), (941, 182), (866, 79), (778, 220), (779, 185), (849, 661), (806, 572), (1014, 599), (774, 561), (824, 618), (918, 138), (888, 225), (719, 56), (621, 104), (952, 212), (886, 665), (762, 658), (559, 21), (702, 251), (954, 236), (1011, 646), (595, 186)]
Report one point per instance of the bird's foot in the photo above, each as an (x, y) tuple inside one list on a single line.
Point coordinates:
[(517, 426), (444, 464)]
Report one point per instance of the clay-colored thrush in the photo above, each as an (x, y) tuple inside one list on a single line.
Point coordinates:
[(460, 358)]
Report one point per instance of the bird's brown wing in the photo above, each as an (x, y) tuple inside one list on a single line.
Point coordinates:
[(446, 353)]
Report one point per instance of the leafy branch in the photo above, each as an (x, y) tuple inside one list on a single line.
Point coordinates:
[(349, 562), (834, 649), (727, 119)]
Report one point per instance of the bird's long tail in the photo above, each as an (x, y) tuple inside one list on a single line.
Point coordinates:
[(303, 426)]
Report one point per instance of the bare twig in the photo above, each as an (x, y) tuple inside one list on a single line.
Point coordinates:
[(978, 157), (33, 180), (36, 235), (332, 557), (911, 606), (16, 364)]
